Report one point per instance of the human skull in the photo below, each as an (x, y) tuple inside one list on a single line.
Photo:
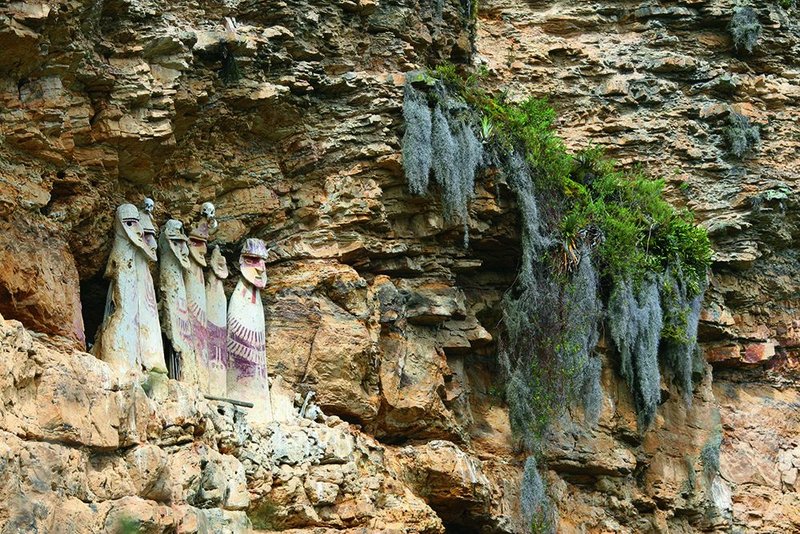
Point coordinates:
[(148, 206), (208, 210)]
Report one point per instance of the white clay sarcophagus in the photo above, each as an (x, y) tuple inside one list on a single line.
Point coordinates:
[(151, 347), (118, 341), (174, 251), (217, 324), (194, 279), (247, 355)]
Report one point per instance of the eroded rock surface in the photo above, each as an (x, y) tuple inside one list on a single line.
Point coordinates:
[(655, 84), (373, 303), (83, 452)]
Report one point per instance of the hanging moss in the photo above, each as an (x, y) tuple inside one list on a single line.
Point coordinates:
[(534, 243), (592, 390), (459, 191), (635, 322), (741, 135), (442, 141), (744, 28), (417, 149), (587, 229), (537, 510), (444, 149), (709, 454), (547, 353), (679, 335)]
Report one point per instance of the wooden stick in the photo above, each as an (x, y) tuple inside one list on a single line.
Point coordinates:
[(244, 404)]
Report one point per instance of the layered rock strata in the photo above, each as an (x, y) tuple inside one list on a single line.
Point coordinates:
[(656, 85), (373, 302)]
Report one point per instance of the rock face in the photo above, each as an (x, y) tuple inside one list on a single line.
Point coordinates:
[(83, 452), (288, 116), (656, 85)]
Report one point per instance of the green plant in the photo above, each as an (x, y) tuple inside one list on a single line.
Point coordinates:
[(487, 128), (127, 525), (601, 230), (709, 454), (537, 509), (264, 516)]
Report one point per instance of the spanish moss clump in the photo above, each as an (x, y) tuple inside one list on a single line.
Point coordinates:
[(584, 309), (585, 312), (534, 244), (537, 510), (745, 28), (679, 336), (709, 455), (445, 150), (533, 381), (635, 323), (457, 194), (742, 136), (417, 151), (457, 153), (445, 142), (551, 332), (583, 219), (551, 326)]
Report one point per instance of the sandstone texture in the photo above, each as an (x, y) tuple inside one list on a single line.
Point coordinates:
[(288, 116), (654, 83)]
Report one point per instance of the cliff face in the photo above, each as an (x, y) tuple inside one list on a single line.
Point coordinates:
[(655, 84), (288, 117)]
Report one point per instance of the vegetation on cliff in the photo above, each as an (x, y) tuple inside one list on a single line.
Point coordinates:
[(744, 28), (591, 233)]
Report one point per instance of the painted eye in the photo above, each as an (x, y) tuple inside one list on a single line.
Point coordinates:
[(129, 223)]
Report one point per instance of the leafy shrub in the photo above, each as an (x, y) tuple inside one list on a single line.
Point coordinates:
[(741, 136), (744, 28), (639, 231)]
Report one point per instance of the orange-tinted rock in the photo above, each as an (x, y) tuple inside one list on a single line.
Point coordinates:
[(38, 281), (761, 455), (758, 352), (723, 354)]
